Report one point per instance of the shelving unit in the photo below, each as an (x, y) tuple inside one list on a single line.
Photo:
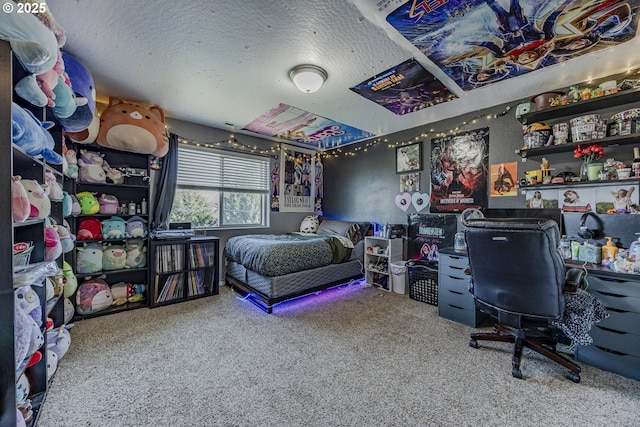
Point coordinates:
[(133, 190), (379, 254), (183, 269)]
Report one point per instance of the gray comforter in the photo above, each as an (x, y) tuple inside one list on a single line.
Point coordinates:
[(277, 255)]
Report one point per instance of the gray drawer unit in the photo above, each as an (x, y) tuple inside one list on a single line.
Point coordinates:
[(616, 340), (454, 300)]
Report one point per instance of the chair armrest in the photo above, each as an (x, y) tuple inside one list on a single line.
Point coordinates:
[(573, 280)]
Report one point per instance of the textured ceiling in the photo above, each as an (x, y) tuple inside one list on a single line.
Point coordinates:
[(224, 63)]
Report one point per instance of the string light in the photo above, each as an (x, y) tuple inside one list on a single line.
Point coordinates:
[(233, 144), (337, 152)]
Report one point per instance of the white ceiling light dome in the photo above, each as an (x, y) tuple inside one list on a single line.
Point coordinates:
[(308, 78)]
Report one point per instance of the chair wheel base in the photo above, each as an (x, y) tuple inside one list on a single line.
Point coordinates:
[(517, 373), (473, 343), (573, 376)]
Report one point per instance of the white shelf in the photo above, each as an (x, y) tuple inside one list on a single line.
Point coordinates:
[(379, 254)]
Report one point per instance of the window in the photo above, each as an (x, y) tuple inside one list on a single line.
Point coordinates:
[(219, 189)]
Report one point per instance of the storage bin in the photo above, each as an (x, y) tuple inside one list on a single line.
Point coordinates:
[(423, 283)]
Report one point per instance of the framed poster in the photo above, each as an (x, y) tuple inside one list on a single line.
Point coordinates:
[(409, 158), (297, 180)]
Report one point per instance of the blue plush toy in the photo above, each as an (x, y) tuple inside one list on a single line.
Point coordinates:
[(114, 228), (85, 95), (31, 135), (136, 227), (89, 258)]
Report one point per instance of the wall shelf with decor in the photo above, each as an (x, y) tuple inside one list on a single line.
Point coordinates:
[(611, 182), (617, 140)]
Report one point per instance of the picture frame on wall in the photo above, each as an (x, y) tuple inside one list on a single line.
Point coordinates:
[(409, 158)]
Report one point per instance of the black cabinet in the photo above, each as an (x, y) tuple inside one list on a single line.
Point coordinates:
[(183, 269)]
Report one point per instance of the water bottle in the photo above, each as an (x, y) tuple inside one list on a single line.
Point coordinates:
[(565, 247), (459, 243)]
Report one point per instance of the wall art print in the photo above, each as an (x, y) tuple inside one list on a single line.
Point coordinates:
[(275, 183), (478, 42), (502, 179), (297, 180), (405, 88), (459, 171), (409, 158)]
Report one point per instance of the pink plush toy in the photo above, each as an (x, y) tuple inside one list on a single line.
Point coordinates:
[(20, 205), (55, 189), (38, 198), (53, 247)]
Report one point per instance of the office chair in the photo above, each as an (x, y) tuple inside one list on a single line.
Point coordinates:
[(519, 277)]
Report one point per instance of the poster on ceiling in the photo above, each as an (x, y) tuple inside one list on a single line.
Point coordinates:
[(297, 180), (405, 88), (459, 171), (285, 121), (478, 42)]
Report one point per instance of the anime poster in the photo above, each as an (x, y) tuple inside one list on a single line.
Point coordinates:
[(405, 88), (459, 171), (285, 121), (275, 183), (502, 179), (619, 199), (541, 199), (297, 180), (478, 42)]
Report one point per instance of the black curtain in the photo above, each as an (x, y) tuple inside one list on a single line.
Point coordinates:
[(166, 186)]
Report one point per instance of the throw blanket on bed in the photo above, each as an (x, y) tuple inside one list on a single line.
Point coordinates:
[(276, 255)]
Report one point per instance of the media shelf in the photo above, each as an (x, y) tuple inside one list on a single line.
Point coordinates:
[(183, 269)]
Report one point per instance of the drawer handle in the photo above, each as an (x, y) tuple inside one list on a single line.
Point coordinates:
[(608, 350), (455, 306), (454, 257), (453, 277), (455, 268), (611, 330), (455, 292), (609, 294), (617, 310)]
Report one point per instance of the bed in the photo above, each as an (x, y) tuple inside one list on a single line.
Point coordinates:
[(268, 269)]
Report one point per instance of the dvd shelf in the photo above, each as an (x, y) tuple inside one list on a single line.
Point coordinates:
[(184, 269)]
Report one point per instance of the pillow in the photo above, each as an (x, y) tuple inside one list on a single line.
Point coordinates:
[(309, 224), (340, 228)]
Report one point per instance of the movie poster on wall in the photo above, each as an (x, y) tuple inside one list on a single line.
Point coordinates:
[(459, 165), (275, 183), (297, 180)]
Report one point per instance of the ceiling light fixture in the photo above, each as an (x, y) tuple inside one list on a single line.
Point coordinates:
[(308, 78)]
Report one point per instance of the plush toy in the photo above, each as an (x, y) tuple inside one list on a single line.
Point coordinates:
[(114, 257), (109, 204), (20, 205), (72, 164), (131, 127), (55, 189), (67, 204), (66, 238), (53, 247), (89, 258), (52, 364), (136, 253), (88, 135), (114, 228), (28, 337), (23, 388), (69, 310), (92, 167), (50, 292), (38, 199), (69, 279), (85, 95), (29, 302), (309, 224), (93, 295), (31, 135), (59, 340), (57, 281), (89, 228), (89, 205), (75, 206), (136, 227), (127, 292), (115, 176)]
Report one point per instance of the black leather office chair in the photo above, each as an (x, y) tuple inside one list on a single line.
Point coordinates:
[(519, 277)]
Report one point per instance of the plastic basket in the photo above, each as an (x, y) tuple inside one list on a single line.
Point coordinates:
[(22, 259), (423, 284)]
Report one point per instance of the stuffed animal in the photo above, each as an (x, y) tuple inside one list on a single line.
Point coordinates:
[(72, 164), (127, 292), (89, 204), (38, 199), (93, 295), (31, 135), (89, 258), (136, 227), (66, 238), (28, 337), (55, 189), (53, 247), (114, 257), (75, 206), (69, 279), (136, 253), (92, 167), (52, 364), (109, 204), (115, 176), (69, 309), (89, 228), (67, 204), (84, 91), (114, 228), (59, 340), (29, 302), (309, 224), (131, 127), (88, 135), (20, 205)]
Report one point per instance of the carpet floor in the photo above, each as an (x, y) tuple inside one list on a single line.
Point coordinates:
[(349, 356)]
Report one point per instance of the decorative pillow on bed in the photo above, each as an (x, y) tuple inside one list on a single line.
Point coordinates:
[(340, 228), (309, 224)]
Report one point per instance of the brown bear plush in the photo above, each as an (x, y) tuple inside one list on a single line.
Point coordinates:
[(131, 127)]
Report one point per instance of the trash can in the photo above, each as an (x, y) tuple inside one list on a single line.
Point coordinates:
[(398, 276)]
